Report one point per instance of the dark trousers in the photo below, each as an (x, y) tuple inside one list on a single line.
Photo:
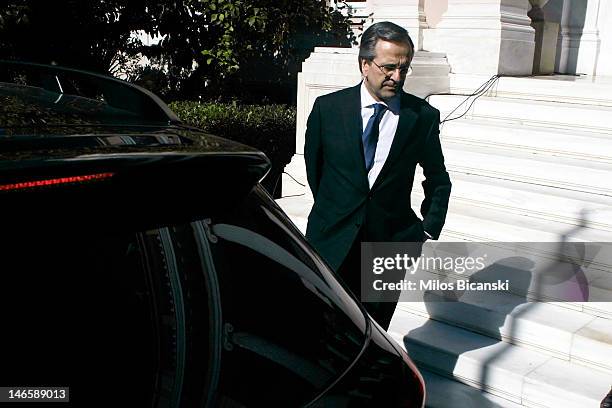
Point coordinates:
[(350, 272)]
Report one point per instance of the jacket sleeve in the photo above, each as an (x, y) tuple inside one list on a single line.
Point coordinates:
[(437, 184), (313, 149)]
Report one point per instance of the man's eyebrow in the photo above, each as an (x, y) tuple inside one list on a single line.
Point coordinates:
[(395, 65)]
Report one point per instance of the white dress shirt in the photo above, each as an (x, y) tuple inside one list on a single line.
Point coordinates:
[(387, 128)]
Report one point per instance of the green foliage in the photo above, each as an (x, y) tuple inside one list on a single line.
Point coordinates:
[(207, 47), (265, 41), (269, 128)]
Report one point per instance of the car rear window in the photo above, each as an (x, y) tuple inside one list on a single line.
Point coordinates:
[(292, 329), (33, 97)]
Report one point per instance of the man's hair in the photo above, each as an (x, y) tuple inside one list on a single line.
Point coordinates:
[(383, 30)]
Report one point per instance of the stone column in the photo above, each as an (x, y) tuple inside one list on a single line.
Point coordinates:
[(405, 13), (579, 41), (484, 37)]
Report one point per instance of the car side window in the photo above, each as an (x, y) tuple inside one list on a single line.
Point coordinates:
[(289, 332)]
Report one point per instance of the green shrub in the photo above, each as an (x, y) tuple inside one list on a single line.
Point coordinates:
[(269, 128)]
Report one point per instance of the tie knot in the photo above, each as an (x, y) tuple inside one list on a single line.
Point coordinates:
[(378, 108)]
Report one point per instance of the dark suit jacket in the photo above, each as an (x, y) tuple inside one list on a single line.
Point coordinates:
[(336, 173)]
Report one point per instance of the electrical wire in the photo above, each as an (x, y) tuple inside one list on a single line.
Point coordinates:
[(293, 178), (480, 91), (446, 119)]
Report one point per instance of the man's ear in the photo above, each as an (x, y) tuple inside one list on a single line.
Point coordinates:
[(365, 67)]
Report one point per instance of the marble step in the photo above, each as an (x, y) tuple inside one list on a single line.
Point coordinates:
[(543, 202), (585, 90), (564, 333), (443, 392), (600, 309), (514, 373), (519, 166), (541, 114), (566, 144), (480, 223), (513, 153)]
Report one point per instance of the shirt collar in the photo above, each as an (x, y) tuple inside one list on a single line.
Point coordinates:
[(367, 100)]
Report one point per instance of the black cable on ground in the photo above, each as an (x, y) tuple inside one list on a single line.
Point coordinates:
[(480, 91), (293, 178)]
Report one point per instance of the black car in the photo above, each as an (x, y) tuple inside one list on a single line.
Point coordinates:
[(145, 266)]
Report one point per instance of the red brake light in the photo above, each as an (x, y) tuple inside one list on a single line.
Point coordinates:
[(55, 181)]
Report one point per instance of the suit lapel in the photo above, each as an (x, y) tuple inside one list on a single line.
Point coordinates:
[(353, 128), (407, 120)]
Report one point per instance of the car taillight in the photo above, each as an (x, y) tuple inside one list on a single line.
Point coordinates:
[(24, 185)]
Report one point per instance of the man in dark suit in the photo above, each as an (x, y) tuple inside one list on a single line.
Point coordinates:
[(362, 147)]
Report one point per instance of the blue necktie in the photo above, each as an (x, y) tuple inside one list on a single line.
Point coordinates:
[(370, 135)]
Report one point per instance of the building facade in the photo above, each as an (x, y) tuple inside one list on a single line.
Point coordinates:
[(516, 37)]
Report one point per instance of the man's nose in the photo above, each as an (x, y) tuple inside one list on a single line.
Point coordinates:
[(395, 75)]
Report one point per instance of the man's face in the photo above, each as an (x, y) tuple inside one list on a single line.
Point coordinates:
[(380, 85)]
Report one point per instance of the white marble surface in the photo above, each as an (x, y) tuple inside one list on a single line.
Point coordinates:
[(515, 373), (489, 37), (591, 90), (593, 344), (561, 384), (603, 309), (405, 13), (480, 223), (548, 203), (573, 144), (446, 393), (483, 362), (539, 113), (539, 326), (508, 165)]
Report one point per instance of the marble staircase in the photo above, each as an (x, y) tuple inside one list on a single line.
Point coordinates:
[(530, 162)]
